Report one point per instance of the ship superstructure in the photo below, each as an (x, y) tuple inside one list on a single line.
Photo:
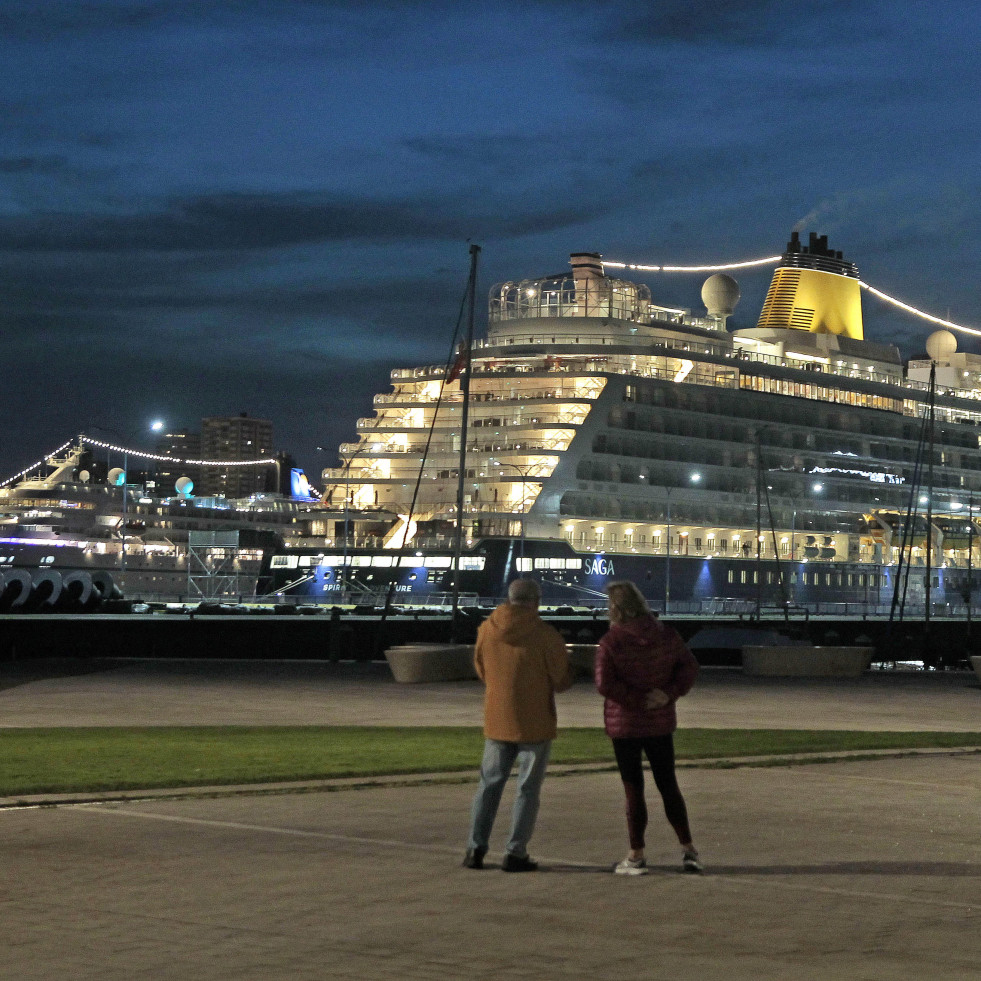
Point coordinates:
[(612, 436)]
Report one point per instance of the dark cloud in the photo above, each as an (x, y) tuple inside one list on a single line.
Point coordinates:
[(50, 164), (757, 23), (243, 221), (30, 20)]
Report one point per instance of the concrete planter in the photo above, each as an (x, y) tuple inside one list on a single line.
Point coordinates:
[(415, 663), (976, 661), (802, 661)]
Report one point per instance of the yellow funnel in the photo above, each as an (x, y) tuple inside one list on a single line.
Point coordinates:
[(814, 289)]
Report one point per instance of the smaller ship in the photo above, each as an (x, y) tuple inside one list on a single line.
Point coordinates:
[(70, 542)]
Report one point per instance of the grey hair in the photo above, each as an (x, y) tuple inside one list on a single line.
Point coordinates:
[(524, 592)]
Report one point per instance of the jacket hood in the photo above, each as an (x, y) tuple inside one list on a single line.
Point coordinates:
[(512, 623)]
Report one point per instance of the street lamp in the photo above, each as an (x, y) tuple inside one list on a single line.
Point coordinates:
[(345, 476), (524, 471), (123, 480), (693, 478)]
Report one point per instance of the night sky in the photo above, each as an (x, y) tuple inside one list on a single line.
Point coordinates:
[(218, 206)]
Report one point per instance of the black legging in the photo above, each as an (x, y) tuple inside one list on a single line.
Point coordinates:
[(660, 753)]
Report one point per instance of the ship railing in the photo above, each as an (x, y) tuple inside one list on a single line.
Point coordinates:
[(359, 451), (568, 393), (742, 608), (376, 599), (866, 373)]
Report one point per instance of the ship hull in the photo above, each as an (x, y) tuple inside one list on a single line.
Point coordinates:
[(702, 584)]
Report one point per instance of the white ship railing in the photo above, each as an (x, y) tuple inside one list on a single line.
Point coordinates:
[(651, 348)]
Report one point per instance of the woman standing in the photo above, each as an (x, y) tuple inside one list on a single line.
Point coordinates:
[(642, 668)]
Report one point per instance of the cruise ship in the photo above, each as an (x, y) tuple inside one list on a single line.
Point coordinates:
[(608, 435)]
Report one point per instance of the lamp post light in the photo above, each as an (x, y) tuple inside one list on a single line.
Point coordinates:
[(524, 471), (155, 426), (693, 478), (345, 476)]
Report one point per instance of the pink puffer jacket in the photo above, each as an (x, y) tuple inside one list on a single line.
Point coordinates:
[(634, 658)]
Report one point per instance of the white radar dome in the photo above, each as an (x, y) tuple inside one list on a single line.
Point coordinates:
[(84, 476), (720, 294), (117, 476), (940, 345), (184, 486)]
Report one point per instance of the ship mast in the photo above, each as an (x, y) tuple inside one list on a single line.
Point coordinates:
[(929, 514), (465, 392)]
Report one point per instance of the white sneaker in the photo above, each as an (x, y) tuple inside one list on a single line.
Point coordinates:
[(631, 866)]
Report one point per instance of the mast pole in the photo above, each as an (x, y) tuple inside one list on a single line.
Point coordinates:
[(759, 525), (465, 392), (929, 514), (970, 563)]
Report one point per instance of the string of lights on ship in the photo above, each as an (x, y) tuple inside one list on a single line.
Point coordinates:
[(609, 264), (140, 455)]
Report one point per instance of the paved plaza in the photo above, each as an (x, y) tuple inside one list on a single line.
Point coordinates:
[(852, 869), (211, 692)]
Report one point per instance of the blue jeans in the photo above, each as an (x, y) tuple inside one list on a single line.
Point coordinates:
[(495, 768)]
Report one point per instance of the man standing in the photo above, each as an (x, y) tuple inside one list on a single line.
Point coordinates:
[(522, 662)]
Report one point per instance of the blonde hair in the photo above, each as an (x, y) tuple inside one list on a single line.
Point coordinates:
[(626, 601)]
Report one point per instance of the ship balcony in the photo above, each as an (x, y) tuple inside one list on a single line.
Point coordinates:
[(411, 400), (545, 418), (573, 393)]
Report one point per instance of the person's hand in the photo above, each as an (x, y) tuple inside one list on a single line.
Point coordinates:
[(657, 699)]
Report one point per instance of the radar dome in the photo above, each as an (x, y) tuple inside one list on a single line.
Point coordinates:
[(84, 476), (117, 476), (940, 345), (184, 486), (720, 294)]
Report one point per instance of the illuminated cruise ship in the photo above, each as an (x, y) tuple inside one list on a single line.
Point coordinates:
[(613, 437)]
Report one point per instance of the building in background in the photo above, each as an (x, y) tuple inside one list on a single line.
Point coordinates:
[(234, 438), (182, 445)]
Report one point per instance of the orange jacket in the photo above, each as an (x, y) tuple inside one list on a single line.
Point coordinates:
[(522, 662)]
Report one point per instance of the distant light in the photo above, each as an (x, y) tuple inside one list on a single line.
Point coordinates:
[(695, 478), (156, 425), (817, 488)]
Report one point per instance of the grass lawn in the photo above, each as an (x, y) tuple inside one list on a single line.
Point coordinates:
[(90, 759)]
